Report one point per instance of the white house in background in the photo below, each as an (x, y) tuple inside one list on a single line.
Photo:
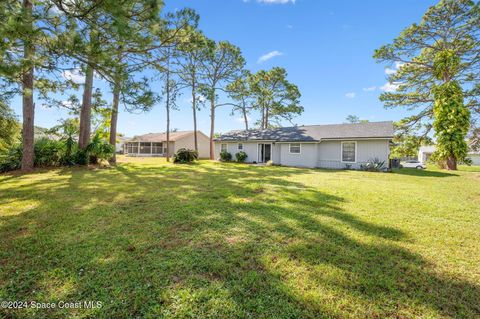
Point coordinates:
[(328, 146), (120, 143), (424, 153), (155, 144)]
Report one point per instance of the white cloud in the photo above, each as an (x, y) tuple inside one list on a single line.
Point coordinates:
[(289, 26), (369, 89), (276, 1), (398, 65), (390, 71), (390, 87), (350, 95), (74, 75), (67, 103), (269, 56)]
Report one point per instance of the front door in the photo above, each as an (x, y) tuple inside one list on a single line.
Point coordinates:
[(264, 153)]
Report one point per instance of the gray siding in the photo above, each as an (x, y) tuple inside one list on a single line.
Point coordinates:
[(326, 154), (189, 143), (232, 147), (306, 158), (330, 152)]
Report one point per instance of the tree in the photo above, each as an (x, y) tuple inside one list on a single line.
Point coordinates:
[(354, 119), (189, 60), (9, 126), (241, 93), (29, 62), (451, 116), (275, 97), (131, 55), (450, 25), (406, 145), (220, 65)]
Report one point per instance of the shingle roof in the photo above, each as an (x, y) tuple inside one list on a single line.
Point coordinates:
[(314, 132), (160, 137)]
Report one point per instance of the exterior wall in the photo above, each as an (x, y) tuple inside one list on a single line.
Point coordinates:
[(475, 158), (189, 142), (232, 147), (330, 153), (326, 154), (306, 158)]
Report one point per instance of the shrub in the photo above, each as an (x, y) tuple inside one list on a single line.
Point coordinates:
[(98, 150), (241, 156), (225, 156), (184, 155), (11, 158), (373, 165), (48, 152)]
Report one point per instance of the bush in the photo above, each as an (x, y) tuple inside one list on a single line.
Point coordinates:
[(373, 165), (11, 158), (241, 156), (184, 155), (225, 156), (97, 150), (48, 152)]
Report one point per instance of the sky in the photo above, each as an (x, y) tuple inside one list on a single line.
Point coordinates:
[(326, 47)]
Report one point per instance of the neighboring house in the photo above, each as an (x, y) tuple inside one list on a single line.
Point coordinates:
[(155, 144), (327, 146), (119, 146), (424, 153)]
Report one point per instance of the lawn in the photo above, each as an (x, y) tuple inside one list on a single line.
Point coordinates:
[(153, 239)]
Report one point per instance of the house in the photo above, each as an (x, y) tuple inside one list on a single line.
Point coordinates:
[(155, 144), (119, 145), (328, 146), (424, 153)]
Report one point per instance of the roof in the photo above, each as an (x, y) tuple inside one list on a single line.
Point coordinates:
[(427, 149), (313, 133), (161, 137)]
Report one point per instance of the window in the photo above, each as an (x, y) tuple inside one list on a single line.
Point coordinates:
[(157, 148), (349, 152), (223, 147), (295, 148), (240, 146), (145, 148)]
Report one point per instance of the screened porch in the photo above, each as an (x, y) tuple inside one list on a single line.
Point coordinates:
[(145, 148)]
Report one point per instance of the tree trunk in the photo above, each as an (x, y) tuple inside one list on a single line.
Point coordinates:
[(452, 163), (266, 118), (245, 117), (262, 126), (212, 127), (85, 112), (113, 120), (28, 134), (194, 108), (167, 106)]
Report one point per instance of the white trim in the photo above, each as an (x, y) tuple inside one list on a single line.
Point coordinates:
[(341, 151), (289, 148), (226, 149)]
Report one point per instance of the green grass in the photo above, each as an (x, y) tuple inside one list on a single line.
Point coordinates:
[(151, 239)]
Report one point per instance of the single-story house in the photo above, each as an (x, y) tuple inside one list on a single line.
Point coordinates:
[(119, 146), (328, 146), (155, 144), (424, 153)]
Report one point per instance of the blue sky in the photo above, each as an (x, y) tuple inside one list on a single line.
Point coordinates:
[(325, 46)]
